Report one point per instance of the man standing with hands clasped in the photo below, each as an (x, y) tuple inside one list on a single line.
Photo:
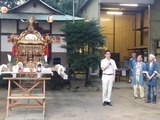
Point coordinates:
[(138, 77), (108, 67), (152, 69)]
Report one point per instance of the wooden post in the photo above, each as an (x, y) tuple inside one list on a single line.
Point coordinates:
[(9, 93), (114, 33)]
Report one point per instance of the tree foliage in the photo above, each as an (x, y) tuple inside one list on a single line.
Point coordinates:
[(53, 3), (65, 6), (83, 39), (11, 3)]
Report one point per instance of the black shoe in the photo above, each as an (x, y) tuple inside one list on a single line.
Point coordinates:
[(148, 101), (135, 97), (154, 102), (109, 104), (143, 99), (104, 103)]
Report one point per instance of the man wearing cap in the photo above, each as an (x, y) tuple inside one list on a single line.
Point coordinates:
[(108, 67), (152, 69)]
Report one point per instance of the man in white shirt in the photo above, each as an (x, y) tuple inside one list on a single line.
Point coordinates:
[(108, 67)]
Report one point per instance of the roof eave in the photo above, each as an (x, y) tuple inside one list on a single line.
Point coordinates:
[(43, 17), (45, 4)]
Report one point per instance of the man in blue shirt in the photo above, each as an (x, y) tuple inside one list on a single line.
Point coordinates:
[(152, 69), (138, 77), (132, 61)]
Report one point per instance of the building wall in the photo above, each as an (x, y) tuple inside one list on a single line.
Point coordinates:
[(91, 11), (126, 1), (57, 50), (56, 27), (154, 28), (4, 59), (145, 33), (9, 27), (44, 25), (5, 45), (56, 47), (124, 35), (62, 56), (23, 25), (137, 22)]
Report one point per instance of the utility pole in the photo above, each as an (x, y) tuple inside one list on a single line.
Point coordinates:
[(73, 11)]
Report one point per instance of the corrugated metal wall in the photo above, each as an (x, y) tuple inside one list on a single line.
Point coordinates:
[(91, 11), (154, 28), (125, 37)]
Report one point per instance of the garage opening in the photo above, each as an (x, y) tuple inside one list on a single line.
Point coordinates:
[(125, 27)]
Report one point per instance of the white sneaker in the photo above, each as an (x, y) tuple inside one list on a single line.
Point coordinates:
[(129, 81)]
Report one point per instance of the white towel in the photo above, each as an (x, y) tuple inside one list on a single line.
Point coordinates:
[(9, 57), (60, 68)]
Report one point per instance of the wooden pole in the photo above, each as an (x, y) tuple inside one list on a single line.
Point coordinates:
[(114, 33)]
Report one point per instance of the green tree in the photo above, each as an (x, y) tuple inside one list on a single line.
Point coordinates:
[(53, 3), (83, 39), (65, 6), (11, 3)]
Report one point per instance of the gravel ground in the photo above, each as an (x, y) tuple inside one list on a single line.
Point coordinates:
[(84, 104), (3, 96)]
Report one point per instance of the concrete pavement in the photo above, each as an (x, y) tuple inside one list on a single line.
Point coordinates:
[(86, 104)]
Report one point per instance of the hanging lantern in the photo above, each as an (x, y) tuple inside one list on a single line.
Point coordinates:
[(50, 19), (4, 9)]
